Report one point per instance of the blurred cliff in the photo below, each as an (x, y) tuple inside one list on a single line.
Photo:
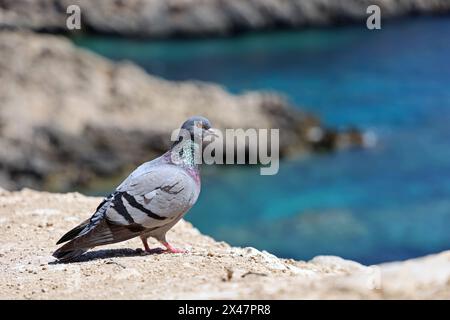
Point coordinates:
[(168, 18), (68, 116)]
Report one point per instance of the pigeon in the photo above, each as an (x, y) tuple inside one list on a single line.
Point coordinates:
[(149, 202)]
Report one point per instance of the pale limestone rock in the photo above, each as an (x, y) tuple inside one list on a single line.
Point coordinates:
[(212, 270)]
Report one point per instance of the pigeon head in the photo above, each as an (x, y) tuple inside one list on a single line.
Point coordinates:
[(198, 127)]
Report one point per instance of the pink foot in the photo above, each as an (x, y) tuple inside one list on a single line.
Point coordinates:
[(150, 251), (170, 249), (145, 243)]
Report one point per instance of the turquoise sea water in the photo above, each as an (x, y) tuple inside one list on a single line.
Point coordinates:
[(387, 203)]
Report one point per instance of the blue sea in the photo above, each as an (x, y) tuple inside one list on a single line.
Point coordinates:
[(390, 202)]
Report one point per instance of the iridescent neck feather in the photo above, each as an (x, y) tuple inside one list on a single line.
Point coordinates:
[(185, 153)]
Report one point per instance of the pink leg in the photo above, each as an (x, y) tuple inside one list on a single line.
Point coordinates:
[(145, 243), (170, 249), (147, 248)]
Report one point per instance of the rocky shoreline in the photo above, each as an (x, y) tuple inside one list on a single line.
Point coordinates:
[(194, 18), (31, 222), (69, 117)]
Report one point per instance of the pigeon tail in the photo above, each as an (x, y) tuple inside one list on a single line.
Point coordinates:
[(103, 233), (65, 254), (73, 233)]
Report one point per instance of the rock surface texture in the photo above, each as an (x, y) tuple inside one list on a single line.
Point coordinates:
[(68, 115), (169, 18), (31, 222)]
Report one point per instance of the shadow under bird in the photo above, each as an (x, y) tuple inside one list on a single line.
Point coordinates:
[(149, 202)]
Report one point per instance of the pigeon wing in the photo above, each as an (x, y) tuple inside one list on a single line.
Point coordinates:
[(153, 198)]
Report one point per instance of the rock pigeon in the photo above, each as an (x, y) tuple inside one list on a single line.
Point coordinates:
[(149, 202)]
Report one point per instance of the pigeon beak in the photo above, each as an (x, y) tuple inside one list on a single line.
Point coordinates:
[(210, 132)]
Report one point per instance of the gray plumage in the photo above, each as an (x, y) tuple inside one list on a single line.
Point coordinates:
[(148, 203)]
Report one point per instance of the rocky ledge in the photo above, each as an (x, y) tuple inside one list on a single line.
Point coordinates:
[(69, 116), (169, 18), (31, 222)]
